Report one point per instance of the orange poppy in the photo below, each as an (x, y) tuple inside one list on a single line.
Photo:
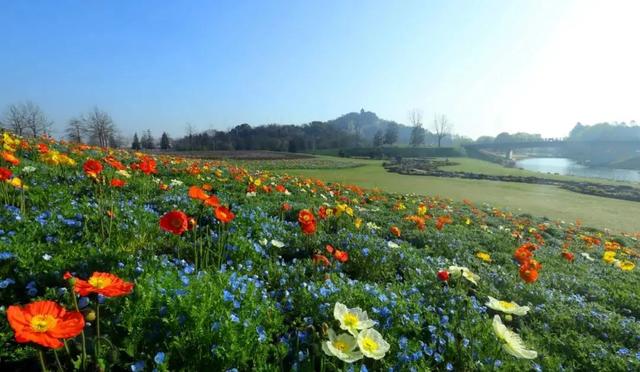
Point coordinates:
[(44, 323), (105, 284), (207, 187), (175, 222), (395, 230), (286, 206), (528, 274), (522, 255), (341, 256), (197, 193), (224, 214), (10, 158), (443, 220), (307, 221), (116, 182), (320, 259), (212, 201), (92, 167), (43, 148)]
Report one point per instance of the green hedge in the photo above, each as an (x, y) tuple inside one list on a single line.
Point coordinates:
[(405, 152)]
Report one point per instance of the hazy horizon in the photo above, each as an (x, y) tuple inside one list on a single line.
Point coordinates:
[(490, 66)]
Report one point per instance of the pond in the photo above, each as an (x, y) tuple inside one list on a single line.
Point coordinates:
[(569, 167)]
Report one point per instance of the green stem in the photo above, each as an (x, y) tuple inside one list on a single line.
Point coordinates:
[(84, 340), (97, 342), (41, 358), (55, 352)]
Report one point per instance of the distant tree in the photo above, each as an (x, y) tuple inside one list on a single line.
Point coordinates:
[(147, 141), (165, 144), (75, 130), (391, 134), (485, 139), (100, 126), (441, 127), (27, 119), (189, 130), (135, 145), (378, 138), (417, 132)]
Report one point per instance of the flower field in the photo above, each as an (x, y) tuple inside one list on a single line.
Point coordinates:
[(114, 260)]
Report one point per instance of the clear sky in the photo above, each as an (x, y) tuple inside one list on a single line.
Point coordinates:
[(490, 66)]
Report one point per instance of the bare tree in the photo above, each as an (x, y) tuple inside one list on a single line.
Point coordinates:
[(27, 119), (102, 131), (15, 120), (415, 117), (76, 129), (441, 127), (190, 130)]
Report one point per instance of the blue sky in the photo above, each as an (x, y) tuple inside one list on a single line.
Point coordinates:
[(537, 66)]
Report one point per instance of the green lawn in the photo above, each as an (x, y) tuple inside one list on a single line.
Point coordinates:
[(541, 200)]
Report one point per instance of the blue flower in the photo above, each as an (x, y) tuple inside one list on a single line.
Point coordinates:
[(234, 318), (84, 301), (159, 358), (6, 256), (137, 366), (227, 296), (449, 366), (363, 368), (6, 282), (262, 335), (623, 351)]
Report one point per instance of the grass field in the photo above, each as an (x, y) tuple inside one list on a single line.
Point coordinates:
[(541, 200)]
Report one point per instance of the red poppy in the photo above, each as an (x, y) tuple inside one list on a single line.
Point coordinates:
[(105, 284), (224, 214), (116, 182), (44, 323), (307, 221), (568, 256), (175, 222), (197, 193), (5, 174), (286, 206), (281, 188), (320, 259), (148, 166), (43, 148), (92, 168), (322, 212), (443, 275), (330, 248), (395, 230)]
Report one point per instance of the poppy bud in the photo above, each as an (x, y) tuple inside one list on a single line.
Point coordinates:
[(443, 275)]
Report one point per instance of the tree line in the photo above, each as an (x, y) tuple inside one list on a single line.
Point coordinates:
[(96, 127)]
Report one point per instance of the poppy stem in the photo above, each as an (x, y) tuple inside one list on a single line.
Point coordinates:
[(97, 342), (84, 341), (55, 353), (41, 358)]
